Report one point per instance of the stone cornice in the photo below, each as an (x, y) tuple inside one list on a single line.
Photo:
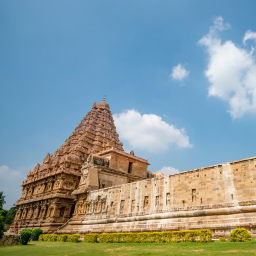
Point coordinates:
[(47, 175), (40, 198), (124, 154), (113, 171)]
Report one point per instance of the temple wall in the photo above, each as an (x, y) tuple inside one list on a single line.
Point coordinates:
[(219, 197)]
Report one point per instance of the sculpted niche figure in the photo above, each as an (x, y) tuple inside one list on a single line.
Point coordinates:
[(133, 206), (122, 207), (168, 199), (157, 201), (146, 202)]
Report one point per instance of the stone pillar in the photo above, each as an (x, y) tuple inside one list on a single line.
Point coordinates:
[(36, 211)]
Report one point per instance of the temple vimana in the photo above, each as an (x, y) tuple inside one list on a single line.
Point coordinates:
[(90, 185)]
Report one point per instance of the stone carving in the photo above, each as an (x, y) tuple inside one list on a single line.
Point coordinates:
[(99, 161), (193, 195), (247, 203), (122, 207), (168, 199), (133, 206), (157, 201), (146, 201), (48, 196)]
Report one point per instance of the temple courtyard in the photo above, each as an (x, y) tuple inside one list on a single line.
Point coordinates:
[(73, 249)]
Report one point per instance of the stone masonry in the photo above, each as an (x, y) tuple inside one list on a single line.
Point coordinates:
[(219, 197), (91, 185), (47, 201)]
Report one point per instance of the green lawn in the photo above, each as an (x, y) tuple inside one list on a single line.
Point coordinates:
[(74, 249)]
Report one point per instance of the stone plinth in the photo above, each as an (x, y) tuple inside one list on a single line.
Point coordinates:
[(10, 239)]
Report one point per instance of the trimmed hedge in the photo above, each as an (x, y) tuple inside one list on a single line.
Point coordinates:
[(199, 236), (63, 238), (73, 238), (240, 235), (91, 238), (222, 239), (25, 234), (60, 238), (48, 237), (36, 233)]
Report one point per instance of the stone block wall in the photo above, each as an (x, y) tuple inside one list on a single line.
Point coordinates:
[(219, 197), (9, 240)]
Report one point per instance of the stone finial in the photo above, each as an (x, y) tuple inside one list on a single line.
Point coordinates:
[(47, 159), (132, 153), (37, 168), (94, 105)]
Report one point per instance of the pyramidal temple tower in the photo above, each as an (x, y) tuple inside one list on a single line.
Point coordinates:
[(47, 200)]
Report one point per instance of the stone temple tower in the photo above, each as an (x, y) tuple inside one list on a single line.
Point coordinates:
[(47, 200)]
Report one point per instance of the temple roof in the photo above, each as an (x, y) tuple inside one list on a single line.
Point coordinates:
[(95, 133)]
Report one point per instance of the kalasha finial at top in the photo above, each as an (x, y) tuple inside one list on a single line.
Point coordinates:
[(104, 98)]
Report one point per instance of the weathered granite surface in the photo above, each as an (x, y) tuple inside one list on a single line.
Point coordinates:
[(47, 201), (91, 185), (220, 197), (10, 239)]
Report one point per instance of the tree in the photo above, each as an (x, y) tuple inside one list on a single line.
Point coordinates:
[(2, 202), (10, 215)]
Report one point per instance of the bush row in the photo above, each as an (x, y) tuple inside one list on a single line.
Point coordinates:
[(200, 236), (60, 238)]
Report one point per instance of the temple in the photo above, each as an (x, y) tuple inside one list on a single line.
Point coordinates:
[(91, 185), (49, 192)]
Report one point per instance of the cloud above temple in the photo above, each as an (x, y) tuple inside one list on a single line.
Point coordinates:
[(10, 184), (179, 72), (149, 132), (231, 70), (168, 170)]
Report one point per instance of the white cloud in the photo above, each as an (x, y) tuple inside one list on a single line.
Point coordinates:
[(231, 71), (249, 35), (168, 170), (10, 182), (179, 72), (149, 132)]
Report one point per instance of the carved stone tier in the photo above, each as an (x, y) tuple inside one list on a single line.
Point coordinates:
[(60, 173)]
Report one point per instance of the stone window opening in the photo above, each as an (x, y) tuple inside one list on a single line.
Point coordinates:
[(130, 167), (103, 185), (232, 197), (193, 195), (201, 200), (183, 203)]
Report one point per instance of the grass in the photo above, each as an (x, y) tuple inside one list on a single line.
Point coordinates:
[(76, 249)]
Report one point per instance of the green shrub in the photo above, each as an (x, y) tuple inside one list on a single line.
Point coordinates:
[(41, 238), (200, 236), (52, 238), (240, 235), (25, 234), (63, 238), (2, 228), (91, 238), (10, 215), (222, 239), (74, 238), (36, 233)]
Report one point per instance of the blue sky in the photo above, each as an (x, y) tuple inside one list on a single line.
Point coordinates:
[(58, 57)]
